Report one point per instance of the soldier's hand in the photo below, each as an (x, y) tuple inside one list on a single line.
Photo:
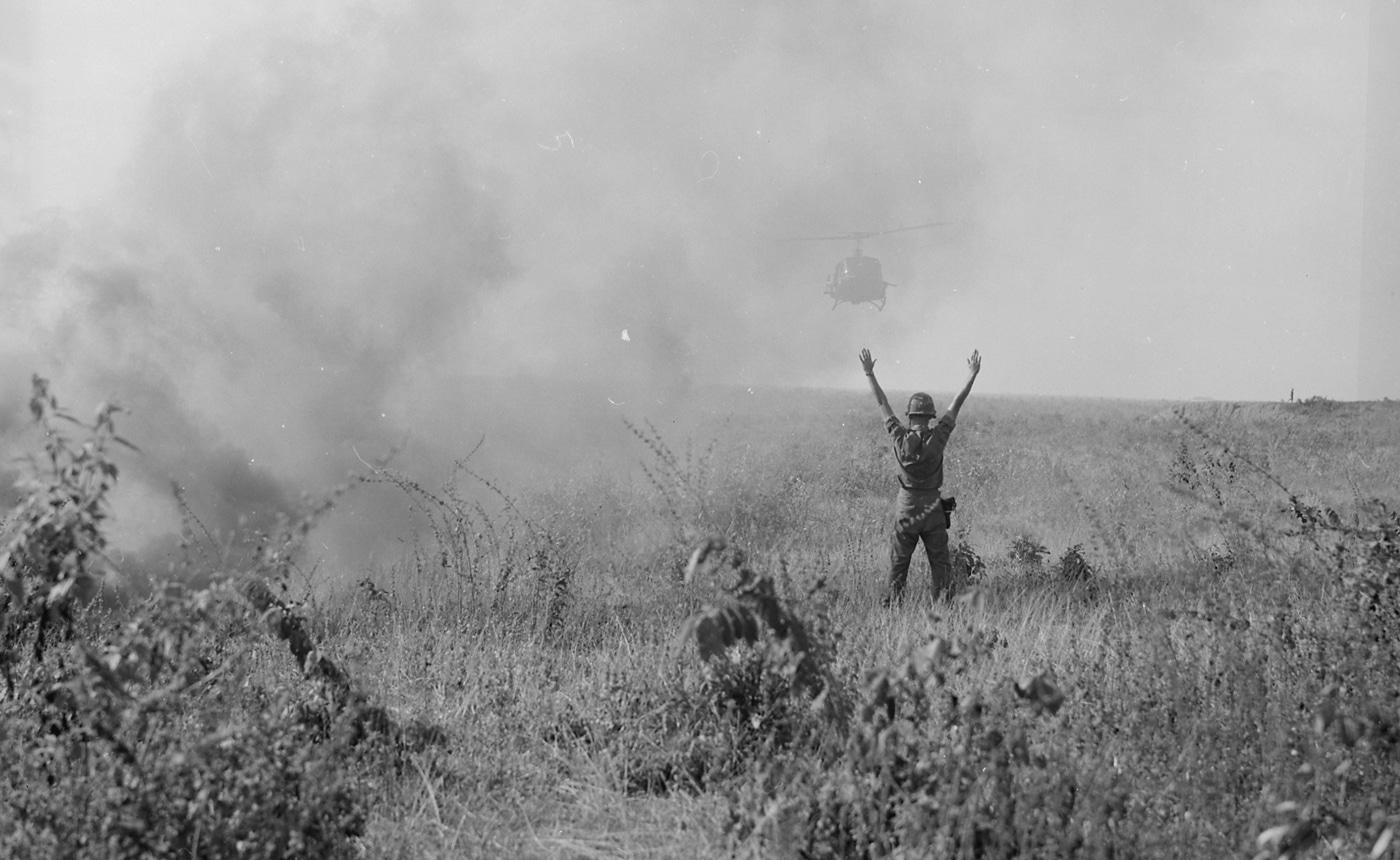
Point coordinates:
[(867, 363), (974, 364)]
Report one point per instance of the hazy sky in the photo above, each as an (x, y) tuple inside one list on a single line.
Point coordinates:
[(1153, 200), (281, 226)]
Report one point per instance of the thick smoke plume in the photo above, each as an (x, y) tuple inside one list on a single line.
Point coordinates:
[(337, 218)]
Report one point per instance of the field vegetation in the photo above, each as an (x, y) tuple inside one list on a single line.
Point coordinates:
[(1176, 635)]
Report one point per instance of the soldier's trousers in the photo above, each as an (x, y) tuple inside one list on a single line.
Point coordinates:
[(920, 517)]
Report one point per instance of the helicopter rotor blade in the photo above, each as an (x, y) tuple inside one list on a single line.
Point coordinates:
[(915, 227), (860, 235), (845, 236)]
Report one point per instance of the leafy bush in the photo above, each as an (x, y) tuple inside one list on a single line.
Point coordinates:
[(151, 747), (1027, 552), (910, 767), (754, 605), (1350, 776), (152, 734), (765, 690), (968, 566), (926, 773), (53, 555), (1072, 566)]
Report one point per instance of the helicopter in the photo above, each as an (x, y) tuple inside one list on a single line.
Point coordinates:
[(858, 279)]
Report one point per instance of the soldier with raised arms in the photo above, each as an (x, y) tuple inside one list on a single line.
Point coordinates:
[(918, 451)]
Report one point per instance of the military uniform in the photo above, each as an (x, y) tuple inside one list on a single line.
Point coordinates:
[(919, 511)]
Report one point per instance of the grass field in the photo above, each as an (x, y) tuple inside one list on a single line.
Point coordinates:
[(1176, 637)]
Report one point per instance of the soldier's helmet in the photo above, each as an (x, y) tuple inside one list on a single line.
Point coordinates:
[(921, 404)]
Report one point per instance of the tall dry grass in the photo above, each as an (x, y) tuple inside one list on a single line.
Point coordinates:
[(1175, 670), (1179, 659)]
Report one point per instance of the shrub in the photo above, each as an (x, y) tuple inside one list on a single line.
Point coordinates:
[(1349, 779), (53, 555), (1072, 566), (968, 566), (926, 773), (765, 690), (1027, 552), (1343, 788), (150, 747), (753, 606), (151, 735)]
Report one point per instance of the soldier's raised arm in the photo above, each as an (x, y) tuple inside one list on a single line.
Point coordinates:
[(867, 364), (974, 367)]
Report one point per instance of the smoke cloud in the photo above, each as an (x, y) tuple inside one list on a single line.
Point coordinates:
[(337, 222)]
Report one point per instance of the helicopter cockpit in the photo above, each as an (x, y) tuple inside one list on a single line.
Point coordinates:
[(859, 267), (857, 279)]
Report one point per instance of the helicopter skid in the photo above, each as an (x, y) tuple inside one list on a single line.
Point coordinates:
[(877, 305)]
